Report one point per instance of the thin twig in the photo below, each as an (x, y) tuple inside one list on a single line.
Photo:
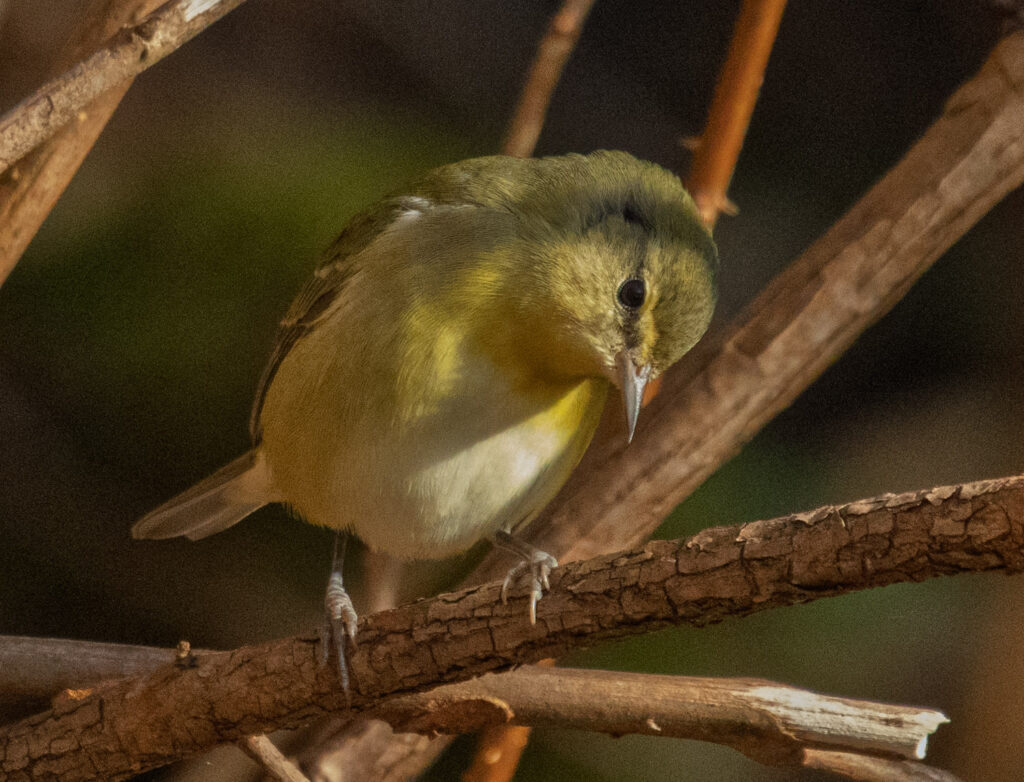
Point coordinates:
[(274, 764), (552, 54), (29, 190), (499, 749), (148, 721), (736, 92), (131, 51), (33, 668)]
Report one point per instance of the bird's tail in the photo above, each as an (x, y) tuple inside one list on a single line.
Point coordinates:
[(214, 504)]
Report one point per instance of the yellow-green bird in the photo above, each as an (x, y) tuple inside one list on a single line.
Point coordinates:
[(443, 371)]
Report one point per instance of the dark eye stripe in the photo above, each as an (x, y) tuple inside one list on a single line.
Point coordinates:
[(631, 215), (632, 293), (627, 211)]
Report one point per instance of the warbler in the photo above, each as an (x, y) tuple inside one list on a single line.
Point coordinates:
[(443, 371)]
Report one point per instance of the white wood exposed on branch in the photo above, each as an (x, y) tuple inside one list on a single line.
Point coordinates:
[(274, 764), (760, 718), (770, 722)]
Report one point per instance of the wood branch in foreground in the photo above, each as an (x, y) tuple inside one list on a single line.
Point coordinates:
[(178, 710), (553, 53), (29, 189), (131, 51)]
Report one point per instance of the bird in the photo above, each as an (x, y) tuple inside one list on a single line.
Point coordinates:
[(444, 369)]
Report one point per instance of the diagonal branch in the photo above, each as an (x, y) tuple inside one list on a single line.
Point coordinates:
[(553, 53), (151, 720), (128, 54), (736, 92), (29, 190), (770, 723)]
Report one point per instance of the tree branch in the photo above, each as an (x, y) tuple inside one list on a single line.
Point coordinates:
[(553, 53), (275, 765), (131, 51), (768, 722), (151, 720), (736, 92), (29, 190), (873, 769)]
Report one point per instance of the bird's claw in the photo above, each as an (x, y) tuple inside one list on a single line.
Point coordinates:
[(340, 623), (539, 564)]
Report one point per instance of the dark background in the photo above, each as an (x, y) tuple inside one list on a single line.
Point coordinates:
[(133, 331)]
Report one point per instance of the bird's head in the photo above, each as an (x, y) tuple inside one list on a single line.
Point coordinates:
[(622, 269)]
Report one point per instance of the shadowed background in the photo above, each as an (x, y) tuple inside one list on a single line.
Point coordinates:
[(134, 329)]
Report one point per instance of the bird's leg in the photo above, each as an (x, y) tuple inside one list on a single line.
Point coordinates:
[(538, 563), (339, 614)]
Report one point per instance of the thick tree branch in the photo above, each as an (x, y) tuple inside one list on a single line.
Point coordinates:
[(769, 722), (131, 51), (553, 53), (174, 711)]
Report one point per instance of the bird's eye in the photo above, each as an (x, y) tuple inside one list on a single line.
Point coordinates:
[(632, 293)]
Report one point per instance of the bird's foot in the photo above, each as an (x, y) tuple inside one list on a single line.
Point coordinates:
[(340, 621), (537, 563)]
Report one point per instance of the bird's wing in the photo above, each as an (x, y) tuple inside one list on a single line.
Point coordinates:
[(321, 291), (472, 183)]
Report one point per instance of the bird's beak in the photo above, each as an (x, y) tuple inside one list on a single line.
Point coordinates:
[(632, 382)]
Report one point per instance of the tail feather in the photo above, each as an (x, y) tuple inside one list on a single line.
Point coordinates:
[(213, 504)]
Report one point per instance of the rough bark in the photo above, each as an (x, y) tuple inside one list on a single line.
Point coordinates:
[(184, 708)]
